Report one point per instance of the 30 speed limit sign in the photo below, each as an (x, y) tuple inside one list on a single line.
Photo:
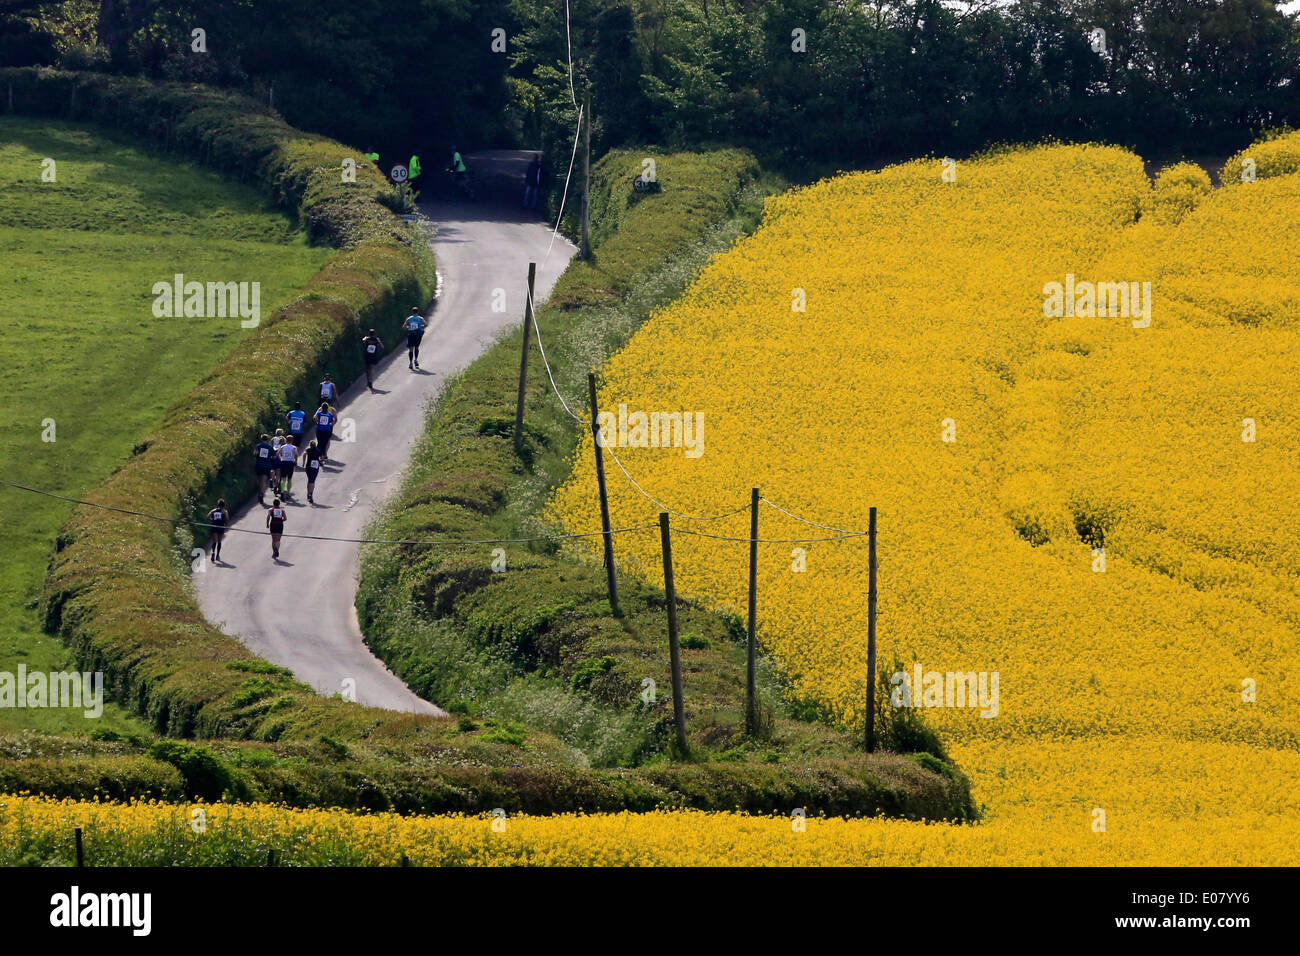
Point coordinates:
[(398, 173)]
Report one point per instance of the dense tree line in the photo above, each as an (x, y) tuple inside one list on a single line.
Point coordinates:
[(814, 82)]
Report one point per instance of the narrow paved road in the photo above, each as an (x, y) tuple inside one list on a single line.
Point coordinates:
[(299, 611)]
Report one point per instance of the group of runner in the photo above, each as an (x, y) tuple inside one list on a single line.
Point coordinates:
[(275, 457), (373, 347)]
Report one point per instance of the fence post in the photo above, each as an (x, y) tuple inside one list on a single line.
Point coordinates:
[(81, 853), (674, 648), (871, 633), (523, 361), (751, 643), (611, 578)]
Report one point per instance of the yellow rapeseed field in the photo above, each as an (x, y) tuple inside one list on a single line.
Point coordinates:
[(1099, 508), (1109, 526)]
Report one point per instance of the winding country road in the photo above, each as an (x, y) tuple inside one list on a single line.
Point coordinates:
[(299, 611)]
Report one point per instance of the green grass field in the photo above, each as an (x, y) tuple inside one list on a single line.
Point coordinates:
[(80, 342)]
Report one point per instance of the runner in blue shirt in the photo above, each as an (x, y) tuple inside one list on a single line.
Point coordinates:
[(264, 462), (324, 428), (296, 419), (414, 326)]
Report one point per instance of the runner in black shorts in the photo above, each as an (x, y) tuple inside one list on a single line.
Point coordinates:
[(275, 521), (329, 392), (373, 350), (414, 326), (311, 457), (288, 457), (324, 418), (219, 518), (263, 465)]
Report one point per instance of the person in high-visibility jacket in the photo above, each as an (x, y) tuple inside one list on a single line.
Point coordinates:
[(413, 170), (457, 168), (373, 157)]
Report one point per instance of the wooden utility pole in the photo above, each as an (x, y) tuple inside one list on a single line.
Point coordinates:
[(871, 634), (751, 702), (674, 648), (523, 360), (586, 174), (611, 579)]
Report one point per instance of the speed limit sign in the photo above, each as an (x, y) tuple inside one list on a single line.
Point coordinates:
[(398, 173)]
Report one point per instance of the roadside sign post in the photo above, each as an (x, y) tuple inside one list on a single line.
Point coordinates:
[(586, 175)]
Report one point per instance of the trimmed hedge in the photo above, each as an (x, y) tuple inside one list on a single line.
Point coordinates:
[(364, 778), (114, 592), (106, 778), (697, 191)]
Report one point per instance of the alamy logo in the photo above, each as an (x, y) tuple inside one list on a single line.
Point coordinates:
[(655, 430), (1090, 299), (946, 689), (133, 910), (213, 300), (37, 689)]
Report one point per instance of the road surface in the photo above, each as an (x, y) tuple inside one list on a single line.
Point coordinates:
[(299, 611)]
